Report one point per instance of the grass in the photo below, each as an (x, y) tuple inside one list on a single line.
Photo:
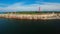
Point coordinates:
[(31, 12)]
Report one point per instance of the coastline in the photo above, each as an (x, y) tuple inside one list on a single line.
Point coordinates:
[(30, 16)]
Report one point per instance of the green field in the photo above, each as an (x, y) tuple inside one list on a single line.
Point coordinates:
[(31, 12)]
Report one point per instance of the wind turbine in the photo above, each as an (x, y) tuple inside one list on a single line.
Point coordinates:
[(39, 8)]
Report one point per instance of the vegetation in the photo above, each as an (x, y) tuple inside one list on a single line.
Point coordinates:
[(30, 12)]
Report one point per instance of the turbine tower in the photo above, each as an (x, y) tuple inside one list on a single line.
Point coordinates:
[(39, 9)]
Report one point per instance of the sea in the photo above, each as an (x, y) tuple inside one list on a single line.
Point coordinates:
[(29, 26)]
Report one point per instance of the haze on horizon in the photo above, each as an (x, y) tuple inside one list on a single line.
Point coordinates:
[(29, 5)]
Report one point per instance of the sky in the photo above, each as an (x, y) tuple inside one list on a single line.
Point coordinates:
[(29, 5)]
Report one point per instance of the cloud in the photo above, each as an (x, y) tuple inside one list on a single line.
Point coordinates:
[(22, 7), (3, 5), (50, 6), (44, 6)]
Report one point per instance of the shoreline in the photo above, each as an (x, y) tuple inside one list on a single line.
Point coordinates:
[(30, 16)]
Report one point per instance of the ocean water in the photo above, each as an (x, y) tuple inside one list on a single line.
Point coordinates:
[(29, 26)]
